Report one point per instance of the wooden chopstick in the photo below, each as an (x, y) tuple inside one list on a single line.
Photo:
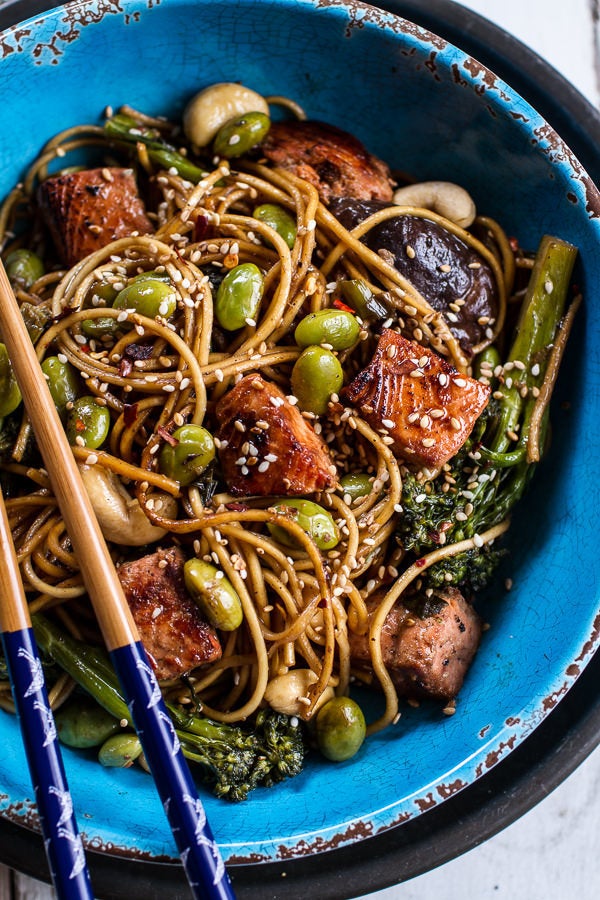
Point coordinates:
[(199, 852), (62, 841)]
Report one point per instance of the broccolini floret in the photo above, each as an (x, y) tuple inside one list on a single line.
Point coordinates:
[(232, 759)]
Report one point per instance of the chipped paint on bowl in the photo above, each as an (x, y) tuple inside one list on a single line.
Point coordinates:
[(426, 108)]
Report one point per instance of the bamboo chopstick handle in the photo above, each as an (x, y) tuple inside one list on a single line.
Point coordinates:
[(63, 845), (198, 850)]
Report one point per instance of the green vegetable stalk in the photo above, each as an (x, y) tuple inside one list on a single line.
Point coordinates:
[(232, 759), (491, 472), (128, 130)]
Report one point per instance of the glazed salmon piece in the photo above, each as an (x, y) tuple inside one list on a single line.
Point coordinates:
[(86, 210), (175, 636), (419, 399), (332, 160), (427, 648), (267, 448)]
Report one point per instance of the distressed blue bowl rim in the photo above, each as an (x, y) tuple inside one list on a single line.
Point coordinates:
[(560, 686)]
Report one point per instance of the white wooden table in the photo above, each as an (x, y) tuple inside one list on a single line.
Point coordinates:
[(553, 852)]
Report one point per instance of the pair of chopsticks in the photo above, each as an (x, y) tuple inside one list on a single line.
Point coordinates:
[(198, 850)]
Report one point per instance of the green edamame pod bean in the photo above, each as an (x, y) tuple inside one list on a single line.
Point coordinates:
[(188, 458), (105, 292), (120, 751), (103, 295), (340, 728), (279, 219), (63, 383), (82, 723), (23, 267), (240, 134), (10, 395), (335, 327), (100, 326), (356, 484), (317, 374), (238, 297), (89, 421), (214, 594), (152, 275), (149, 297), (316, 521)]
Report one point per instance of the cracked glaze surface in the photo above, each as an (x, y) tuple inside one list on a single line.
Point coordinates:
[(431, 111)]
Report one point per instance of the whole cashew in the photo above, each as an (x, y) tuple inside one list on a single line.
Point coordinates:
[(120, 515), (209, 110), (283, 692), (443, 197)]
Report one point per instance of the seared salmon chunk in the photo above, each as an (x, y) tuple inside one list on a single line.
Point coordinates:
[(427, 647), (266, 447), (332, 160), (86, 210), (172, 630), (419, 399)]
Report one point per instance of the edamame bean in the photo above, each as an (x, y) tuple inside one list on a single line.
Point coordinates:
[(152, 275), (88, 423), (149, 297), (82, 723), (120, 750), (356, 484), (335, 327), (215, 595), (10, 395), (316, 521), (63, 383), (186, 459), (317, 374), (238, 297), (279, 219), (24, 267), (100, 326), (240, 134), (340, 728)]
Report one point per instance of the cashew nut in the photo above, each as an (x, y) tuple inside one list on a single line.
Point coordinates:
[(443, 197), (209, 110), (120, 515), (285, 693)]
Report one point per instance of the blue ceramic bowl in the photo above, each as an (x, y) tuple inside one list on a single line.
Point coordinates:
[(429, 109)]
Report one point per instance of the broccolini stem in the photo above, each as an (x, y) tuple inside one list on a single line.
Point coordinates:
[(89, 666), (126, 129), (542, 310)]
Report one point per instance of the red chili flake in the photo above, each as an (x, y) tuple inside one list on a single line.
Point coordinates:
[(419, 563), (237, 507), (167, 436), (339, 304), (79, 425), (130, 411), (125, 368), (514, 244), (201, 227)]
